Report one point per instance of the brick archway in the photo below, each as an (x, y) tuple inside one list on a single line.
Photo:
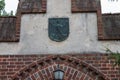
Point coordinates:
[(73, 68)]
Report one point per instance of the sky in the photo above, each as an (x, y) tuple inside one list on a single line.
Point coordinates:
[(107, 6), (11, 5), (110, 6)]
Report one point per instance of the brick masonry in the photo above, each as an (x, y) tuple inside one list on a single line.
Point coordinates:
[(76, 67)]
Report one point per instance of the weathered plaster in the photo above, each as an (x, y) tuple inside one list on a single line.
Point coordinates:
[(34, 33)]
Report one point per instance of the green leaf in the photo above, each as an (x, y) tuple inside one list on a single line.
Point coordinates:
[(115, 56)]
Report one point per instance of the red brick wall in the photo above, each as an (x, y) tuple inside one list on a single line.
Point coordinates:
[(76, 67)]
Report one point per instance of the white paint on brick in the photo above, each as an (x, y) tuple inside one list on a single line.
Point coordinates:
[(34, 33)]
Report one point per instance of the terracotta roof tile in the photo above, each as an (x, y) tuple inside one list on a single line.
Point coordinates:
[(7, 28), (31, 6), (84, 5), (111, 26)]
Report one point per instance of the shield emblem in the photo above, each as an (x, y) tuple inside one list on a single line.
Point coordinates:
[(58, 29)]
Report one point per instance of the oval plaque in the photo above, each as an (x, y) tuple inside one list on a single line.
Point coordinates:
[(58, 29)]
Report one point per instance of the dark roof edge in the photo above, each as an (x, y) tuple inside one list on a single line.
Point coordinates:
[(7, 16), (111, 14)]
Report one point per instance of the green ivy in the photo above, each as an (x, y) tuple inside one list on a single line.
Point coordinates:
[(114, 55)]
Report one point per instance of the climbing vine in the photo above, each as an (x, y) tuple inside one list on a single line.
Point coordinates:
[(115, 56)]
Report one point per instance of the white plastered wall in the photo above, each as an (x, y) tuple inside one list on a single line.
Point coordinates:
[(34, 33)]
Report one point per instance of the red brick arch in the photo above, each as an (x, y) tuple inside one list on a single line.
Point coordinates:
[(73, 68)]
